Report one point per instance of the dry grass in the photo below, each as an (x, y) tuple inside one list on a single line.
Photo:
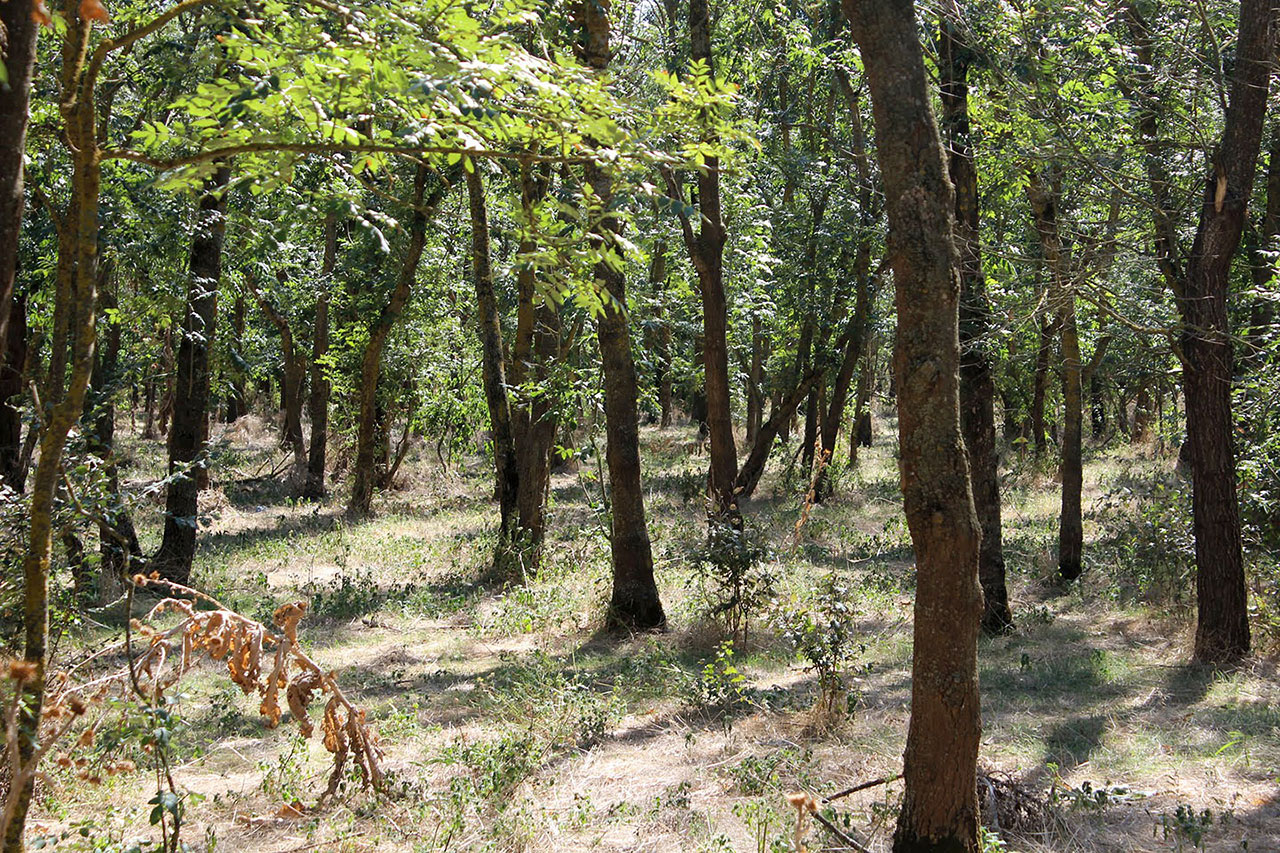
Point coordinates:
[(509, 724)]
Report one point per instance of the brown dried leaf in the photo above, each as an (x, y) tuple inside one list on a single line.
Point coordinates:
[(299, 697)]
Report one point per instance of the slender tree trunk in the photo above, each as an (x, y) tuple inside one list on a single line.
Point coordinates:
[(318, 403), (291, 382), (117, 538), (1044, 205), (235, 399), (780, 415), (755, 381), (977, 388), (367, 441), (537, 347), (75, 311), (940, 807), (507, 468), (861, 435), (12, 471), (18, 42), (634, 602), (1044, 351), (188, 432)]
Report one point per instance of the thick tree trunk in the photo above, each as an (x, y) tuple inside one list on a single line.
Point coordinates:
[(977, 388), (489, 329), (367, 441), (318, 402), (1222, 628), (940, 807), (12, 471), (1044, 204), (634, 602), (18, 52), (188, 432)]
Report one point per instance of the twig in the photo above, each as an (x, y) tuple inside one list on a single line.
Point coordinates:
[(885, 780), (834, 830)]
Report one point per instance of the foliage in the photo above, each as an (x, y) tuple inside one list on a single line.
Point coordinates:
[(823, 632), (732, 574)]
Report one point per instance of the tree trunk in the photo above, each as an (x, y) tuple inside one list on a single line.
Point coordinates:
[(12, 471), (489, 329), (1044, 205), (977, 388), (18, 28), (236, 406), (74, 311), (940, 806), (861, 435), (318, 403), (1044, 351), (117, 538), (291, 381), (634, 602), (367, 441), (189, 430), (537, 346), (781, 413), (1222, 628), (755, 381)]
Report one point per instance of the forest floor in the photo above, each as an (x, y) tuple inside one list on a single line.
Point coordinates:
[(509, 722)]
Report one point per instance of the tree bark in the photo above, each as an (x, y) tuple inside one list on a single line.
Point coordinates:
[(189, 429), (634, 602), (367, 441), (977, 388), (940, 807), (1040, 380)]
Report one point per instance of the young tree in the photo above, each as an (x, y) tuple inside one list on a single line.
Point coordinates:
[(940, 807), (634, 603)]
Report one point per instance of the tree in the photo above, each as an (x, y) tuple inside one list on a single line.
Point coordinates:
[(977, 387), (19, 22), (940, 807), (634, 603), (189, 432), (1200, 283)]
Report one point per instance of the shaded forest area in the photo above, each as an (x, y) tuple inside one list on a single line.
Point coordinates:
[(639, 426)]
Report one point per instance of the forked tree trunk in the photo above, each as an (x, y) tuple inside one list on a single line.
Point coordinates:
[(368, 441), (783, 410), (940, 806), (1062, 301), (977, 388), (188, 432), (634, 602)]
